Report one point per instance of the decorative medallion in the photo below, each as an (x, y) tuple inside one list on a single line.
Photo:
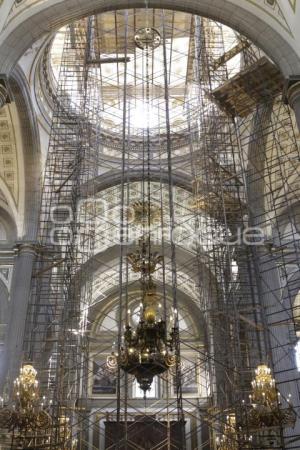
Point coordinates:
[(147, 38)]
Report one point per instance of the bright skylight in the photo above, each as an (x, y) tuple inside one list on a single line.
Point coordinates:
[(145, 108)]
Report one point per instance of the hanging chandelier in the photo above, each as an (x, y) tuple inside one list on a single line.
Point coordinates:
[(265, 409), (232, 437), (229, 438), (28, 421), (148, 349), (147, 352)]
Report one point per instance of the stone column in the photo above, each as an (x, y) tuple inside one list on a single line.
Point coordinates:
[(279, 318), (276, 310), (293, 98), (19, 298)]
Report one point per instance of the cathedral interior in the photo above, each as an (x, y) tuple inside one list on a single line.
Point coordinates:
[(149, 225)]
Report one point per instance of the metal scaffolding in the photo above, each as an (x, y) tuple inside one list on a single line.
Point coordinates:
[(195, 129)]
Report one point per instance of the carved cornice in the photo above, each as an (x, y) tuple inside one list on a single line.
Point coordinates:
[(8, 153), (31, 148)]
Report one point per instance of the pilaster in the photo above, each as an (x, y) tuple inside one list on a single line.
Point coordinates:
[(292, 94), (20, 294)]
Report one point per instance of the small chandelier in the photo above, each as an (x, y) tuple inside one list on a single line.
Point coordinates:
[(147, 350), (65, 435), (263, 386), (265, 409), (232, 439), (27, 420), (229, 439)]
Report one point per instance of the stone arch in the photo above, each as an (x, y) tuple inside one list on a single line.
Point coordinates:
[(195, 317), (44, 17), (101, 262)]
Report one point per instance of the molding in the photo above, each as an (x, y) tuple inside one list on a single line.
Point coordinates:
[(31, 151), (9, 158), (293, 93), (273, 10), (5, 94), (291, 89), (113, 178), (26, 248), (41, 17), (6, 271)]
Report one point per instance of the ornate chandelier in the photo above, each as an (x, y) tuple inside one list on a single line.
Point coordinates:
[(28, 421), (28, 424), (229, 439), (147, 350), (232, 438), (261, 421), (265, 409)]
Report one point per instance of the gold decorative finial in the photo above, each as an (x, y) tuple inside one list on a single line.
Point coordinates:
[(143, 260), (143, 213)]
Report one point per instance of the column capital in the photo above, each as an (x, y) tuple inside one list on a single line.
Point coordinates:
[(292, 90), (29, 248)]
